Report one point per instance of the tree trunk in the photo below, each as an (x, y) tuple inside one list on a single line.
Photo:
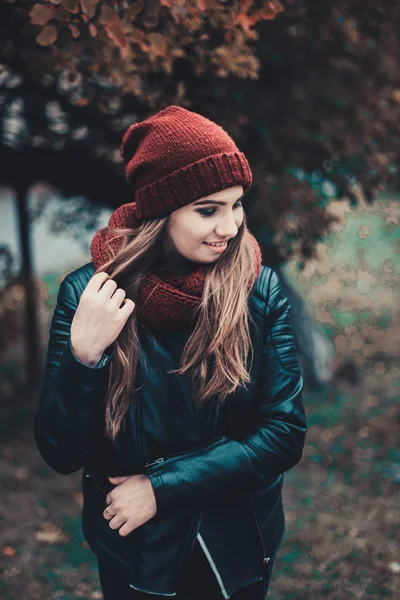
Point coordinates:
[(32, 335), (315, 351)]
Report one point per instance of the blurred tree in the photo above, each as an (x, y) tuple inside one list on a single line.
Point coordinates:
[(309, 90), (312, 96)]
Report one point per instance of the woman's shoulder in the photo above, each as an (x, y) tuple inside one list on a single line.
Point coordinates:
[(258, 294), (261, 285), (80, 277), (265, 288)]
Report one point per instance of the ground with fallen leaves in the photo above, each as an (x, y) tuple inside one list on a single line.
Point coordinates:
[(341, 504)]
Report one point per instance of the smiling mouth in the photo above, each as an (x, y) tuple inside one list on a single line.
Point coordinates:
[(216, 244)]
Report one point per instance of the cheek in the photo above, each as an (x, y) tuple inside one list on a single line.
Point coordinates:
[(185, 240), (193, 233)]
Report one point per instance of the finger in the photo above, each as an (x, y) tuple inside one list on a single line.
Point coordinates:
[(108, 513), (117, 298), (118, 480), (127, 306), (97, 281), (108, 288), (126, 529), (116, 522)]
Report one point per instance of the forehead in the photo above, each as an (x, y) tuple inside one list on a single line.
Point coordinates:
[(225, 196)]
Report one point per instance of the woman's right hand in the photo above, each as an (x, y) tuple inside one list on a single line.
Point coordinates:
[(99, 318)]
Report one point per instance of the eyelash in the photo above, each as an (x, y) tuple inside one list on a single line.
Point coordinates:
[(205, 212)]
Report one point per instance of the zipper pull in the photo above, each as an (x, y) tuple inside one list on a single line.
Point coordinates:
[(155, 462)]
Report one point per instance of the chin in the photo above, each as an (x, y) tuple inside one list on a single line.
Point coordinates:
[(210, 261)]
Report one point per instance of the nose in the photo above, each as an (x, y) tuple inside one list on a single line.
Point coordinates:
[(227, 227)]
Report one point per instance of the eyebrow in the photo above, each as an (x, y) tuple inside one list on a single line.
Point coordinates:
[(210, 201)]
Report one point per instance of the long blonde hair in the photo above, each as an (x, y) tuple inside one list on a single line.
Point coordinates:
[(219, 348)]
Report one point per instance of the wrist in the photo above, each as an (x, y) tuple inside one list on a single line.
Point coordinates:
[(150, 485), (90, 359)]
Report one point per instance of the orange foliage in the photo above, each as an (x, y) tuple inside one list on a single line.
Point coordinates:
[(154, 30), (47, 36)]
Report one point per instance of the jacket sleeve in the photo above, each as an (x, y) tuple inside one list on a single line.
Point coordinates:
[(276, 444), (71, 407)]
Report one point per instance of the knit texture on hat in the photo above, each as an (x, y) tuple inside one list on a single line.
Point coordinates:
[(167, 302), (178, 156)]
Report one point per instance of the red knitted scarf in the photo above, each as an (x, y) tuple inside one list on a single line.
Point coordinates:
[(166, 302)]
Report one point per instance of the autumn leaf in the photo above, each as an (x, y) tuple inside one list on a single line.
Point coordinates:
[(89, 7), (125, 51), (246, 5), (270, 11), (267, 14), (74, 30), (278, 6), (62, 15), (140, 38), (350, 28), (41, 14), (21, 473), (159, 43), (246, 21), (8, 551), (204, 5), (47, 36), (115, 33), (51, 534), (134, 10), (93, 30), (79, 498), (82, 101), (152, 10), (107, 15), (72, 5), (396, 95)]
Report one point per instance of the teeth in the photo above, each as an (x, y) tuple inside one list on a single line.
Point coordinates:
[(217, 245)]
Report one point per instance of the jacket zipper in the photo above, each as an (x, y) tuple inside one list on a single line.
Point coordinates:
[(155, 462), (214, 568), (138, 437), (196, 531), (191, 451), (199, 519), (201, 541), (89, 478), (266, 559)]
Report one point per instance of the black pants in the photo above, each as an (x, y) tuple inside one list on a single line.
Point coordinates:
[(198, 583)]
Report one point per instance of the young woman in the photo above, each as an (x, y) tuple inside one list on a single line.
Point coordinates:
[(172, 377)]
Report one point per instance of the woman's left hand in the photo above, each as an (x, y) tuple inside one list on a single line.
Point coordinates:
[(131, 503)]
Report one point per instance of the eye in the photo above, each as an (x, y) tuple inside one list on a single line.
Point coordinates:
[(206, 212), (209, 212)]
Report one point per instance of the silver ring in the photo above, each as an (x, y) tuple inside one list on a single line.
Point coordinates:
[(108, 512)]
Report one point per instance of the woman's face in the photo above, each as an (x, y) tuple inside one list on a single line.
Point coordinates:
[(214, 218)]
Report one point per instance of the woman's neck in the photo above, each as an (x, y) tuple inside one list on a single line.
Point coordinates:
[(170, 260), (176, 263)]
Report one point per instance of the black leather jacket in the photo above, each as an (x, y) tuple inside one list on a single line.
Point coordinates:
[(217, 472)]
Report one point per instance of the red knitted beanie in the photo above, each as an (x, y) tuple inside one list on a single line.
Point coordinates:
[(176, 157)]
